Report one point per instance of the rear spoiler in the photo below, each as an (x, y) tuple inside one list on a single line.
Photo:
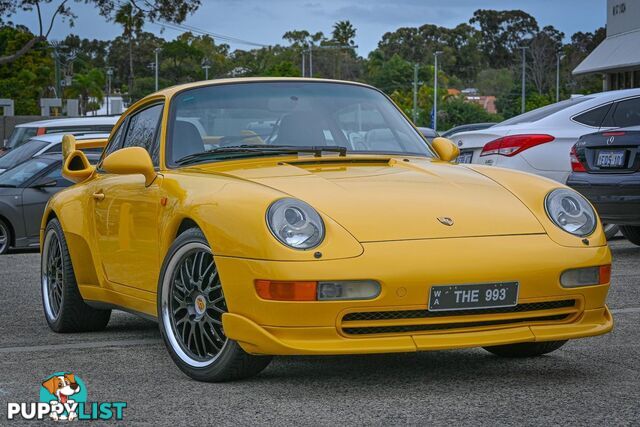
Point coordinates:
[(70, 144)]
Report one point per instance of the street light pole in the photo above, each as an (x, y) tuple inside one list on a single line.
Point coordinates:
[(310, 59), (559, 57), (157, 51), (303, 64), (436, 54), (524, 77), (415, 94), (109, 74)]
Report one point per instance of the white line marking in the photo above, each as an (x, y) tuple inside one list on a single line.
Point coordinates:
[(626, 310), (80, 345)]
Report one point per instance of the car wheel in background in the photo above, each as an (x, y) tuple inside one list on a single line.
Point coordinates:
[(5, 237), (610, 230), (525, 349), (191, 303), (64, 308), (632, 233)]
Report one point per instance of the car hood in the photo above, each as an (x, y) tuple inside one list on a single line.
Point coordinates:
[(391, 199)]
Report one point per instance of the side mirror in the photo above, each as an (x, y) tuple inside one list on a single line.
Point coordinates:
[(44, 182), (76, 166), (445, 148), (130, 161)]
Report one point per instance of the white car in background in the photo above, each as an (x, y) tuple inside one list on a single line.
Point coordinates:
[(540, 140), (25, 131)]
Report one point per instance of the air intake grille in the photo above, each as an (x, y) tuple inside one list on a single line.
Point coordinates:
[(425, 314)]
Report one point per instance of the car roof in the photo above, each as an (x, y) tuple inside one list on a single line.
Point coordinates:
[(170, 91), (75, 121), (57, 137)]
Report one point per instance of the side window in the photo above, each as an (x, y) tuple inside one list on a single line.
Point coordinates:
[(627, 113), (56, 174), (142, 129), (116, 142), (593, 117)]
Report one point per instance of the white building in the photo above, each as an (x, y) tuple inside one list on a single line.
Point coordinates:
[(617, 58)]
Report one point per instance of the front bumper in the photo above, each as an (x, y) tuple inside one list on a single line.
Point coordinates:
[(616, 197), (406, 270)]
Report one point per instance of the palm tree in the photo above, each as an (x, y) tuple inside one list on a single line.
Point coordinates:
[(86, 86), (344, 33), (132, 19)]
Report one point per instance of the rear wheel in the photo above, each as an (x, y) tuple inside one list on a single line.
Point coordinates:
[(525, 349), (5, 237), (64, 308), (610, 230), (632, 233), (191, 303)]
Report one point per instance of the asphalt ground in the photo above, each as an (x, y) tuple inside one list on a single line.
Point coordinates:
[(594, 381)]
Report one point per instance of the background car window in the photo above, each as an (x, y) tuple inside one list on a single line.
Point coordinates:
[(141, 131), (627, 113), (593, 117), (24, 172), (543, 112), (21, 153), (366, 129), (20, 135), (56, 174)]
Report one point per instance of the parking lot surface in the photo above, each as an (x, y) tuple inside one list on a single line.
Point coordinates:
[(592, 381)]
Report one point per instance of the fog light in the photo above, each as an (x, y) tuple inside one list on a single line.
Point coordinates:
[(348, 290), (588, 276)]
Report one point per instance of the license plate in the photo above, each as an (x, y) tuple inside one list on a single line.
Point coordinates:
[(610, 159), (465, 157), (475, 296)]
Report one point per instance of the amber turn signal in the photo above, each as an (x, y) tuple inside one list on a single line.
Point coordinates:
[(588, 276), (286, 291)]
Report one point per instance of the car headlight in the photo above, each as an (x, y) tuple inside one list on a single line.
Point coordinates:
[(295, 223), (571, 212)]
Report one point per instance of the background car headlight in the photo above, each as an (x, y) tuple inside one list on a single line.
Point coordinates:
[(571, 212), (295, 223)]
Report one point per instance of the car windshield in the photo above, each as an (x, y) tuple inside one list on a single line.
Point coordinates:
[(20, 135), (544, 112), (21, 153), (24, 172), (263, 117)]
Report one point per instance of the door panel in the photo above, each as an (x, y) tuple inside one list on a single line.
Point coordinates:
[(126, 229), (33, 202)]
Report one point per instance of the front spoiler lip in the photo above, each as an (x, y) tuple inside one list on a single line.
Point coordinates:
[(256, 339)]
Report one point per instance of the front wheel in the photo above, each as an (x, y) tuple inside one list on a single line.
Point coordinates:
[(610, 230), (525, 349), (191, 303), (632, 233)]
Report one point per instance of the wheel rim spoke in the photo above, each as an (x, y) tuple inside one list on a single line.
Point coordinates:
[(54, 275), (196, 305)]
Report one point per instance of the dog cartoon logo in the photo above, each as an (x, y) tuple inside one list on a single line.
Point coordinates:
[(63, 391)]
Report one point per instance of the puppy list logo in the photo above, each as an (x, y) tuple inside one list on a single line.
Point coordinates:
[(63, 397)]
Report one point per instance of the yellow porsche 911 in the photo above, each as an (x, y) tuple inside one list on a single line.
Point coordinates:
[(262, 217)]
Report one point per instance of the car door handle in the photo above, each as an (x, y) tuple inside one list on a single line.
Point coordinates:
[(98, 196)]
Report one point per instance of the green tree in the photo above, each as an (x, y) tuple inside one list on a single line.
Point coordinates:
[(30, 76), (456, 111), (132, 20), (344, 33), (88, 88), (167, 10)]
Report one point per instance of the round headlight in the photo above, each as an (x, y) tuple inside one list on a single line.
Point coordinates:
[(295, 223), (571, 212)]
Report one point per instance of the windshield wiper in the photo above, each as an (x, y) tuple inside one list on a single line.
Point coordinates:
[(8, 186), (261, 150)]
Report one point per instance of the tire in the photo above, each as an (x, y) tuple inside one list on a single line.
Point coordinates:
[(64, 308), (610, 230), (5, 237), (190, 307), (632, 233), (525, 349)]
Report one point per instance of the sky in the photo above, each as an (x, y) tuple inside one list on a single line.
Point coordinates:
[(265, 21)]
